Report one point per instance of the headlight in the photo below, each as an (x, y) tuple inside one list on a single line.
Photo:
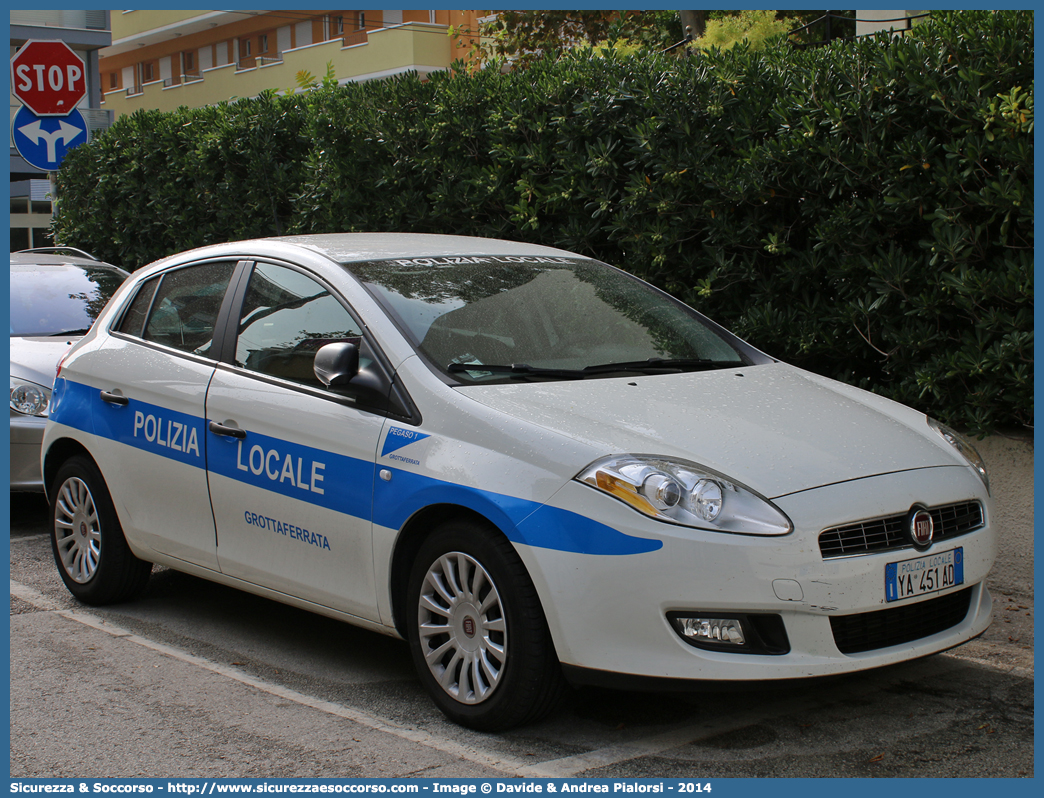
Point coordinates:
[(685, 493), (28, 398), (963, 445)]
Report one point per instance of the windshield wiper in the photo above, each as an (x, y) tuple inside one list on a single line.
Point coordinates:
[(68, 332), (654, 365), (519, 370), (658, 365)]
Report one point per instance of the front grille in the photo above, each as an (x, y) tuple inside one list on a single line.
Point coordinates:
[(868, 631), (885, 534)]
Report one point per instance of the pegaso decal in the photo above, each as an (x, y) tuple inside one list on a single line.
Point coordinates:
[(398, 437)]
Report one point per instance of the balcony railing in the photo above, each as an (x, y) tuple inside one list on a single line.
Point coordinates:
[(250, 62), (188, 77)]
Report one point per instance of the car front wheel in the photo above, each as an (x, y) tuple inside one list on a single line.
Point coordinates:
[(87, 540), (477, 631)]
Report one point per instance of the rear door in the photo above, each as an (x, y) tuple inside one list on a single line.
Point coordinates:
[(291, 463), (149, 408)]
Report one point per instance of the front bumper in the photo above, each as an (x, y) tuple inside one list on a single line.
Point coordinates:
[(609, 613), (26, 440)]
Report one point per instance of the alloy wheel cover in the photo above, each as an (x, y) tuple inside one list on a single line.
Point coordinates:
[(463, 634)]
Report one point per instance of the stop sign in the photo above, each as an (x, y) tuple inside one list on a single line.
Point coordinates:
[(48, 77)]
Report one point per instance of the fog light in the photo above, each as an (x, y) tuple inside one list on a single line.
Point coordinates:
[(712, 630), (740, 632)]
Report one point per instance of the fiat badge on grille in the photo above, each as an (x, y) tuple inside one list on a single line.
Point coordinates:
[(919, 526)]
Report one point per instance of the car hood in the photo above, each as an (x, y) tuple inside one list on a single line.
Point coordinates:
[(774, 428), (36, 359)]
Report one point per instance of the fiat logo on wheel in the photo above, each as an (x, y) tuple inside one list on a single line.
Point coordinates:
[(469, 626), (920, 527)]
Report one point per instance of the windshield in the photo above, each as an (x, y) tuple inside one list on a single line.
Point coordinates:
[(59, 300), (502, 318)]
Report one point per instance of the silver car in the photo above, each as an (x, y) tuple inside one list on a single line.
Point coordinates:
[(56, 294)]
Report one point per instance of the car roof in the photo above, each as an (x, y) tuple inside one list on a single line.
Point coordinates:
[(355, 247), (45, 260), (377, 246)]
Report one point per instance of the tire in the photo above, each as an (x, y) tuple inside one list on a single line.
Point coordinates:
[(477, 633), (87, 540)]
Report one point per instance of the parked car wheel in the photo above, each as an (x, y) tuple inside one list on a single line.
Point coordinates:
[(477, 632), (88, 544)]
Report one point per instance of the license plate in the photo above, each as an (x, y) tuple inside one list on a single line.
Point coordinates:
[(930, 574)]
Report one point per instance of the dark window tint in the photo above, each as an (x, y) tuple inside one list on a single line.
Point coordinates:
[(134, 318), (286, 318), (186, 307), (59, 299)]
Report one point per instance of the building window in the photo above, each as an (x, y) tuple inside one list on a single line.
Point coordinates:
[(245, 45), (262, 43), (148, 72), (114, 80), (339, 26), (362, 20), (190, 61)]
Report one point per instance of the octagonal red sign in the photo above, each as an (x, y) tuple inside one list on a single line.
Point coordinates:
[(48, 77)]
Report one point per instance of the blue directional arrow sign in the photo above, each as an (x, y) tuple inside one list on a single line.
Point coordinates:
[(44, 140)]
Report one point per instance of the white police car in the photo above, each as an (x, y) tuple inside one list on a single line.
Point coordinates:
[(529, 464)]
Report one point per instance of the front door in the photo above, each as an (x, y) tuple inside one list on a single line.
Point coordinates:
[(291, 464)]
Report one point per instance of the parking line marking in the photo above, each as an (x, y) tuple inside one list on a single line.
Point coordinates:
[(570, 766), (565, 767), (500, 763), (1024, 668)]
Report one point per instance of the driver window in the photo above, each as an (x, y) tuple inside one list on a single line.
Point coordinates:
[(286, 317)]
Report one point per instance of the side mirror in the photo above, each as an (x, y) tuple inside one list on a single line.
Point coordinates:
[(336, 364)]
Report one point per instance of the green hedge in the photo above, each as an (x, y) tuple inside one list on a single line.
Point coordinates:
[(864, 210)]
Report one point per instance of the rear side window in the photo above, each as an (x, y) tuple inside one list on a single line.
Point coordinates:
[(134, 318), (184, 308)]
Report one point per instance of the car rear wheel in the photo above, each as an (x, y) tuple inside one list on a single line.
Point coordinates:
[(87, 540), (477, 632)]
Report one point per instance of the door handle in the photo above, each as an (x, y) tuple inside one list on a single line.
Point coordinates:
[(115, 398), (224, 429)]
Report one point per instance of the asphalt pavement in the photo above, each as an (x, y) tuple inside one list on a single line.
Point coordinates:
[(199, 680)]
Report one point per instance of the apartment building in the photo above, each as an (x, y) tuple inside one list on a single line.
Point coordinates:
[(166, 59)]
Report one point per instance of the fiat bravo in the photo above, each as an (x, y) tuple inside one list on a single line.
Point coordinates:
[(535, 468)]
